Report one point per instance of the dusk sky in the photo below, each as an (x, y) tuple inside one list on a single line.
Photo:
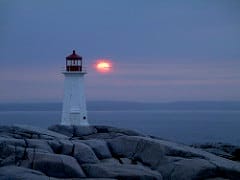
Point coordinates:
[(161, 50)]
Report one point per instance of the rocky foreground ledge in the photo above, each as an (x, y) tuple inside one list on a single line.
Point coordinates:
[(74, 152)]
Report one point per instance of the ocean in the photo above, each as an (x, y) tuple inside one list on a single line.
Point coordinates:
[(188, 126)]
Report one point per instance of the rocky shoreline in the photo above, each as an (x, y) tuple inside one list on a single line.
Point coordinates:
[(102, 152), (228, 151)]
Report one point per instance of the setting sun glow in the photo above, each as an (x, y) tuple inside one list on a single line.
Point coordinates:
[(103, 66)]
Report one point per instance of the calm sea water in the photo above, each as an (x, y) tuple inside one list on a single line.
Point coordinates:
[(182, 126)]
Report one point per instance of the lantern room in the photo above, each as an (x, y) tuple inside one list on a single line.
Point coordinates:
[(74, 62)]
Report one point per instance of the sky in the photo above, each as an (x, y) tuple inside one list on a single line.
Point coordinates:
[(160, 50)]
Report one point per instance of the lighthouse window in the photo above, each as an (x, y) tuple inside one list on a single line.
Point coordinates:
[(84, 117)]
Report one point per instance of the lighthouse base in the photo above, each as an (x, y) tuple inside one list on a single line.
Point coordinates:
[(75, 117)]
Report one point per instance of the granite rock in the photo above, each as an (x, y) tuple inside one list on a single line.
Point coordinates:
[(100, 148), (120, 171), (74, 152), (20, 173)]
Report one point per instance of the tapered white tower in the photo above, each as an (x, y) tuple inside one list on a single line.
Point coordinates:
[(74, 110)]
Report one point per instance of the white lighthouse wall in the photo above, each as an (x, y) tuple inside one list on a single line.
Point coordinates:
[(74, 103)]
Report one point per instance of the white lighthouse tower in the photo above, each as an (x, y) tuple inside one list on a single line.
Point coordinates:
[(74, 110)]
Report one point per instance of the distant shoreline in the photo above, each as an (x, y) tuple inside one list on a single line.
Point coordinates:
[(125, 105)]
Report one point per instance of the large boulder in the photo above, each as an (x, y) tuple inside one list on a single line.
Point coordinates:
[(39, 145), (66, 147), (31, 132), (11, 151), (123, 146), (100, 148), (61, 146), (56, 165), (55, 145), (141, 149), (119, 171), (228, 151), (11, 146), (180, 168), (84, 154), (189, 162), (20, 173)]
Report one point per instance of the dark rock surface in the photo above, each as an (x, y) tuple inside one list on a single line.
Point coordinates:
[(101, 152), (228, 151)]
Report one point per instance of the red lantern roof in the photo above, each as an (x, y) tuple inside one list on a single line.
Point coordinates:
[(73, 56)]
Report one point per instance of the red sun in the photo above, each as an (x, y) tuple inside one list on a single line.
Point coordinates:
[(103, 66)]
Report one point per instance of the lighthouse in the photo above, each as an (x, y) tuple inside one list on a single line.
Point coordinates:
[(74, 110)]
